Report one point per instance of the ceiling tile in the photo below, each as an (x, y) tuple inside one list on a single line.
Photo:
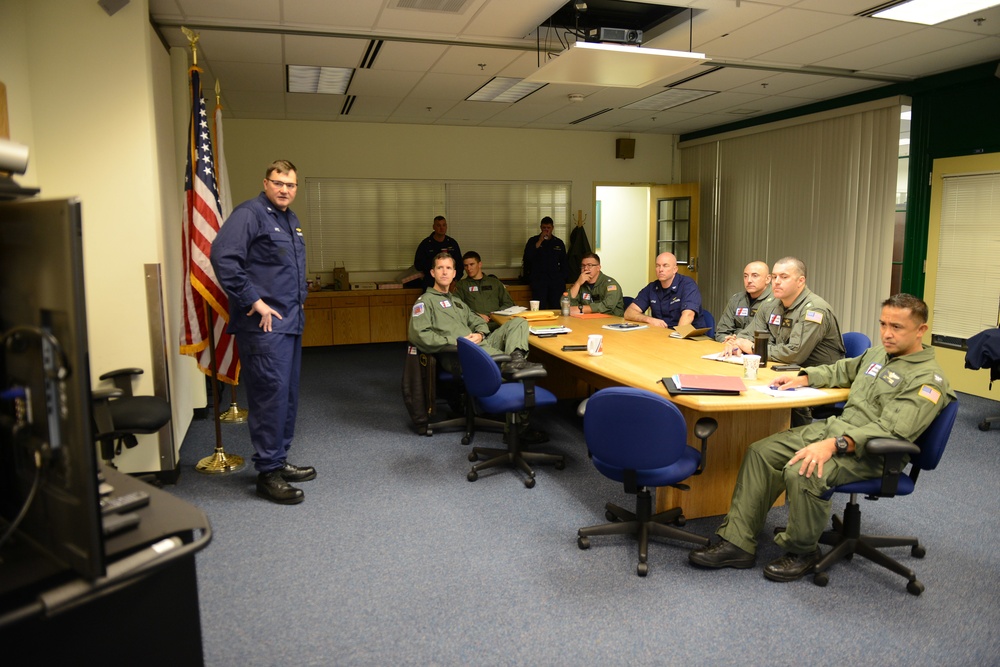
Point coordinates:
[(383, 84), (244, 47), (249, 76), (467, 60), (324, 51)]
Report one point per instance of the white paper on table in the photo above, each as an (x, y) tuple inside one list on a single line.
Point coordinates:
[(718, 356), (798, 392)]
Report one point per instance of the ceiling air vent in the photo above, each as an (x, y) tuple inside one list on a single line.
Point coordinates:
[(448, 6)]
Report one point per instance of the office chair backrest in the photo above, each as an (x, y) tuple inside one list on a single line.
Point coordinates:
[(627, 300), (480, 373), (654, 437), (708, 320), (934, 438), (855, 344)]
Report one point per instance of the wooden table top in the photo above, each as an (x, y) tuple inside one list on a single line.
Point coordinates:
[(641, 358)]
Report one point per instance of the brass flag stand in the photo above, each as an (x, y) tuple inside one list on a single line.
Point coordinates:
[(235, 414)]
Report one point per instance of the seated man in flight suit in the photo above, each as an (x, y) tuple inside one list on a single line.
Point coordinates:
[(483, 293)]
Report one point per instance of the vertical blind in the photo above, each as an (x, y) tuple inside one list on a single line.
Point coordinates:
[(968, 263), (820, 190), (376, 225)]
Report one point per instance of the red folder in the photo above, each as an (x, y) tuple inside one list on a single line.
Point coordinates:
[(711, 383)]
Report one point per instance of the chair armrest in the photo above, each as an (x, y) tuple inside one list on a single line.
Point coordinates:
[(528, 374), (581, 409), (703, 430), (893, 450), (103, 423), (122, 378)]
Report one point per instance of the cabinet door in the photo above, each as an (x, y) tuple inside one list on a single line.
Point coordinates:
[(319, 327), (389, 318), (351, 325)]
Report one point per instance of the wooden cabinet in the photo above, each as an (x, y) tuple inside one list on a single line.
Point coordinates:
[(389, 315), (520, 293), (319, 321), (350, 320)]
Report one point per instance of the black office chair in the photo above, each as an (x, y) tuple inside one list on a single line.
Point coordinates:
[(119, 415), (651, 452), (485, 385), (846, 537)]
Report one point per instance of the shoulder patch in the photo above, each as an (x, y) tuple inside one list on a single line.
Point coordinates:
[(814, 316), (930, 393), (418, 308), (612, 288)]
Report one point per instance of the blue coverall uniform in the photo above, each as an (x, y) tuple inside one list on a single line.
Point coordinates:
[(260, 253), (667, 303)]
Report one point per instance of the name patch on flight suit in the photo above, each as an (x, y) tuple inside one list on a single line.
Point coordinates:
[(445, 304), (873, 370), (418, 308), (675, 299), (487, 288), (891, 378), (814, 316), (742, 312), (930, 393)]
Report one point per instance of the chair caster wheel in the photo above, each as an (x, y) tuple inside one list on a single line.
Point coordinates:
[(466, 440), (473, 456), (914, 587), (422, 430), (680, 521), (918, 551), (984, 426), (609, 516), (560, 465), (583, 543), (472, 476), (530, 482), (821, 578), (642, 569)]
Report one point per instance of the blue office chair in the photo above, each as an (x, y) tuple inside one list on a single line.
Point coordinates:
[(846, 537), (627, 300), (708, 320), (856, 344), (651, 452), (484, 383)]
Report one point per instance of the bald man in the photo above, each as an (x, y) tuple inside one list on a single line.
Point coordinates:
[(672, 299), (743, 306)]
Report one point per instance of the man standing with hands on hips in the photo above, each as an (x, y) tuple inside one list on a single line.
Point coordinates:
[(545, 265), (259, 257)]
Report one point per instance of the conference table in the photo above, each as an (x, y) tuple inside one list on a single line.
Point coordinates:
[(641, 358)]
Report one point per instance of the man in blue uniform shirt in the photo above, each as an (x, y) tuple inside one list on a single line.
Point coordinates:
[(672, 299), (545, 265), (432, 246), (259, 257)]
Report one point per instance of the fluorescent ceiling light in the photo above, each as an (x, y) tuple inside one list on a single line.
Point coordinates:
[(324, 80), (932, 12), (504, 89), (614, 65), (671, 97)]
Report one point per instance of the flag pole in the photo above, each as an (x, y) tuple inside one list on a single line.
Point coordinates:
[(219, 462), (235, 414)]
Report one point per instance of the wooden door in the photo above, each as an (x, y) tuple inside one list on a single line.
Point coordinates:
[(673, 225)]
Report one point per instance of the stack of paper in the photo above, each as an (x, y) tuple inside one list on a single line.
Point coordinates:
[(731, 359), (549, 329), (513, 310)]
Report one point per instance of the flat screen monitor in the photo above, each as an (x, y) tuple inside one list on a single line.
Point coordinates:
[(44, 357)]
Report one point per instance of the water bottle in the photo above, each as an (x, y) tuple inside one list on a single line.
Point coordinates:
[(564, 304)]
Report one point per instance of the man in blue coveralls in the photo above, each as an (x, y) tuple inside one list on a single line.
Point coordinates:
[(672, 299), (259, 257)]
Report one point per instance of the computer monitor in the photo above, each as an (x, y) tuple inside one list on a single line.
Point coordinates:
[(44, 359)]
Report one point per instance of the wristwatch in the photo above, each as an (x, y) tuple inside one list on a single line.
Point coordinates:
[(841, 445)]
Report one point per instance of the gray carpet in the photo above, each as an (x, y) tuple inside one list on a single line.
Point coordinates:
[(394, 558)]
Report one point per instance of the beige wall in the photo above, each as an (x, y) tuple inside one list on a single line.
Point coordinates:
[(953, 361), (89, 95)]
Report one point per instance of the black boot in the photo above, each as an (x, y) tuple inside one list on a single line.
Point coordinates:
[(272, 486), (517, 362)]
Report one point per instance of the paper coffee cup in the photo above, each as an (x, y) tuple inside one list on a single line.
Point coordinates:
[(751, 362), (533, 304), (595, 345)]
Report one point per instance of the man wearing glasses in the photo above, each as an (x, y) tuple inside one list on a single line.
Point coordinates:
[(595, 292), (259, 257)]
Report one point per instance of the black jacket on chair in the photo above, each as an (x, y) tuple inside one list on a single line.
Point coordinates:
[(984, 352)]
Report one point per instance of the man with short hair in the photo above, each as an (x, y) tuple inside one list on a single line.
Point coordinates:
[(802, 327), (545, 266), (595, 292), (435, 244), (482, 293), (672, 299), (439, 320), (743, 306), (259, 257), (897, 389)]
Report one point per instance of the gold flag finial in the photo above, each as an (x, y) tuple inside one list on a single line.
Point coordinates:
[(218, 97), (192, 38)]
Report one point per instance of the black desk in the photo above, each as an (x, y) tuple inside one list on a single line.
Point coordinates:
[(144, 611)]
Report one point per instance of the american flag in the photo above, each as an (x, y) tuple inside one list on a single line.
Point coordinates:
[(202, 219)]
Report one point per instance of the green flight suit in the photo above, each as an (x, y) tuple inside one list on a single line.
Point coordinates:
[(604, 296), (438, 320), (891, 397), (739, 313), (484, 296), (806, 334)]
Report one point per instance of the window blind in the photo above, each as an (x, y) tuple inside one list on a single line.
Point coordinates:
[(376, 225), (968, 278)]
